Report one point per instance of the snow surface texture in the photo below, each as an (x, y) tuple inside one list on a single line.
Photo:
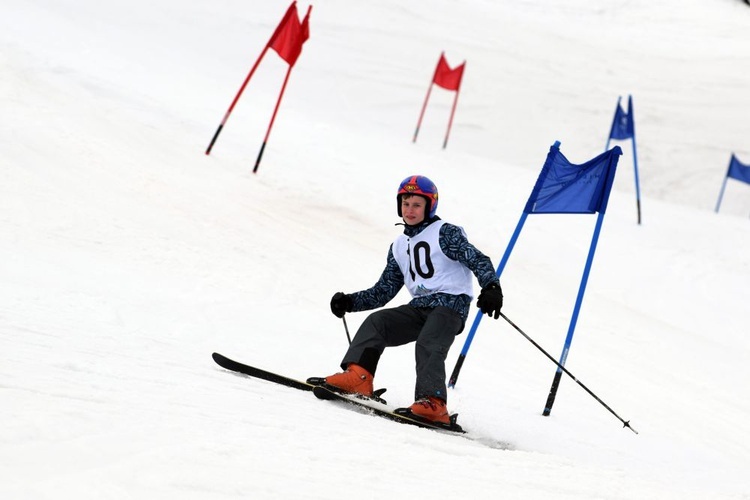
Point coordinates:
[(127, 256)]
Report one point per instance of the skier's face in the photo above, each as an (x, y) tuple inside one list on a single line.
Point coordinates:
[(412, 209)]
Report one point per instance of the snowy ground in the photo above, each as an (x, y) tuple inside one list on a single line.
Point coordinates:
[(127, 256)]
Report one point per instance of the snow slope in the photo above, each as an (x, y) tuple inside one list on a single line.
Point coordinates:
[(127, 256)]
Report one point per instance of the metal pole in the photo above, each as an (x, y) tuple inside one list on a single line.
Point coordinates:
[(561, 367), (346, 328)]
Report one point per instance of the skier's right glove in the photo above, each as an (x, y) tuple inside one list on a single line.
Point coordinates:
[(341, 304), (490, 301)]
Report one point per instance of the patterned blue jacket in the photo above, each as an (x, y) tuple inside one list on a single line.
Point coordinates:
[(455, 246)]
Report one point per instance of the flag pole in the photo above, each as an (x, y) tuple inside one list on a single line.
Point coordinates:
[(236, 98), (635, 159), (574, 319), (637, 183), (723, 186), (612, 128), (273, 117), (421, 115), (426, 98), (500, 268), (450, 120), (478, 318)]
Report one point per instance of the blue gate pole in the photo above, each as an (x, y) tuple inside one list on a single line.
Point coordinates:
[(723, 186), (478, 318), (612, 128), (635, 160), (574, 319), (637, 183)]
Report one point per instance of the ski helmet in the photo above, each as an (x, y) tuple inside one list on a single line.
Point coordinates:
[(422, 186)]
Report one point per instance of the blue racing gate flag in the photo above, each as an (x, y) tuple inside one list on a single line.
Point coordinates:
[(565, 188), (737, 171), (622, 123), (623, 127)]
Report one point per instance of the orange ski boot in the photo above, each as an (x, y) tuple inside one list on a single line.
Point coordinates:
[(432, 409), (355, 379)]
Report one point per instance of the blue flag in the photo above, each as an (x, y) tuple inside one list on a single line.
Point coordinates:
[(738, 171), (565, 188), (623, 124)]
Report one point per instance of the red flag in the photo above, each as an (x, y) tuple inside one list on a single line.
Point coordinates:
[(290, 34), (446, 77)]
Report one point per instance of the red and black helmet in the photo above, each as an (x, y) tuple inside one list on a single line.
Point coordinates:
[(422, 186)]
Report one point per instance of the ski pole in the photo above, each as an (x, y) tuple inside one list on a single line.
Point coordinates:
[(346, 329), (625, 423)]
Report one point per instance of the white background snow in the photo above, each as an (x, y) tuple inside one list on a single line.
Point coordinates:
[(127, 256)]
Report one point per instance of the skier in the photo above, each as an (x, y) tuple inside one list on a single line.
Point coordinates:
[(434, 259)]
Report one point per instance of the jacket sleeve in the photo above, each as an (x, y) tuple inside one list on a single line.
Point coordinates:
[(456, 246), (382, 292)]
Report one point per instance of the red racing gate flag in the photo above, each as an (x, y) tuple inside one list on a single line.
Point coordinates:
[(449, 79), (290, 34), (287, 41)]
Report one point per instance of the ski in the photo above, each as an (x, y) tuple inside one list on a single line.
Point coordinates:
[(401, 415), (373, 406), (251, 371), (322, 392)]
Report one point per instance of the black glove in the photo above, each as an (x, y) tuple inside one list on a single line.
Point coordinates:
[(491, 300), (341, 304)]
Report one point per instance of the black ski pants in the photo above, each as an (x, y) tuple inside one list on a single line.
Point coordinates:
[(433, 330)]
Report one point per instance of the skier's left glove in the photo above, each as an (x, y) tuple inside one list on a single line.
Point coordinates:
[(490, 301)]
